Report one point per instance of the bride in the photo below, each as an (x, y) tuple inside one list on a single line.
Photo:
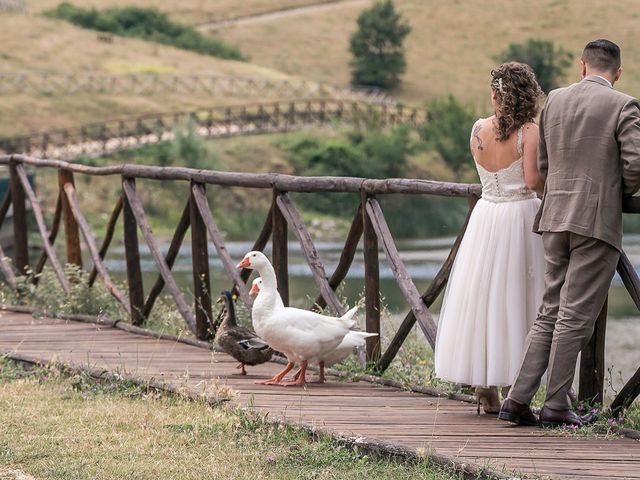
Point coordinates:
[(496, 283)]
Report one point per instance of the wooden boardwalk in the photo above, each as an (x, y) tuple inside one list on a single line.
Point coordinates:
[(413, 421)]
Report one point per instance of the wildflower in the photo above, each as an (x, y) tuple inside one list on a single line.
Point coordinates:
[(580, 407), (595, 410), (270, 458), (611, 422)]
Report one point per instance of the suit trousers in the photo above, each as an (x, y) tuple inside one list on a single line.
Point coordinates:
[(578, 273)]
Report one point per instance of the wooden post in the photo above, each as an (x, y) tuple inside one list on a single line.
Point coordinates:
[(132, 253), (108, 236), (71, 232), (170, 258), (371, 284), (280, 249), (200, 259), (592, 366), (20, 241)]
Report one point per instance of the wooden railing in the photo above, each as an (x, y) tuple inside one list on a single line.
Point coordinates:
[(101, 138), (368, 224)]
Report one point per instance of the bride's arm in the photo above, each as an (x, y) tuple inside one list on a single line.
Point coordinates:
[(532, 176)]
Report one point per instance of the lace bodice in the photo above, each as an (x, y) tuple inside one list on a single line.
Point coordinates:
[(506, 184)]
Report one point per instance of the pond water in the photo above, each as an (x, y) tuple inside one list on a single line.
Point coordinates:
[(423, 259)]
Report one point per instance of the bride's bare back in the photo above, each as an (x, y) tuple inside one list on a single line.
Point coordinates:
[(490, 153), (494, 155)]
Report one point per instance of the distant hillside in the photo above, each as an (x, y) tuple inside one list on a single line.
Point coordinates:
[(452, 44), (194, 12), (32, 43)]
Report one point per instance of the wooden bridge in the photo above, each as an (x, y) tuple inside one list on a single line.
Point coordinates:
[(415, 422), (101, 138)]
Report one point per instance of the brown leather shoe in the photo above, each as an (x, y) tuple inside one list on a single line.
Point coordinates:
[(559, 418), (518, 413)]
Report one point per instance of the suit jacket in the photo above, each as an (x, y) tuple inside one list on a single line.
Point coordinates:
[(589, 153)]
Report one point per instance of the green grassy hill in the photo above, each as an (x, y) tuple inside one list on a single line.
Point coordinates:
[(33, 43), (452, 44)]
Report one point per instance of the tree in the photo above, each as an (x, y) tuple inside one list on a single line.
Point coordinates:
[(378, 53), (548, 62), (447, 131)]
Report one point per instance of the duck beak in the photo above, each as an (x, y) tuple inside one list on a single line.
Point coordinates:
[(245, 263), (254, 289)]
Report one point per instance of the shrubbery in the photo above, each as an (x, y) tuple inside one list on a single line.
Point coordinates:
[(148, 24), (448, 131), (548, 62)]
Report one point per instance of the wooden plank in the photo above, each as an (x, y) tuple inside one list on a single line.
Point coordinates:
[(132, 255), (89, 241), (371, 283), (592, 364), (280, 250), (106, 242), (293, 218), (407, 287), (346, 256), (170, 258), (128, 186), (4, 206), (281, 182), (216, 237), (42, 228), (20, 234), (200, 261), (428, 297), (629, 392), (55, 226), (71, 233)]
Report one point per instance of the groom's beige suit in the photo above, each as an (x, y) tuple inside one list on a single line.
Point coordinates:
[(589, 153)]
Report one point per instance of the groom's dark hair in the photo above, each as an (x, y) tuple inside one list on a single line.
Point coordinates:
[(602, 55)]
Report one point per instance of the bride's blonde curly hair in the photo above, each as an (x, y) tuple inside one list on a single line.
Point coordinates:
[(517, 93)]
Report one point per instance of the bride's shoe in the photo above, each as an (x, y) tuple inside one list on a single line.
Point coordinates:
[(489, 399)]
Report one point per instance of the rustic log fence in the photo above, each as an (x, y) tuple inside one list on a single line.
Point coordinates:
[(369, 225), (96, 139)]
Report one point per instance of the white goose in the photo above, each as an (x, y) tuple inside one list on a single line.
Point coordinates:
[(351, 341), (299, 334)]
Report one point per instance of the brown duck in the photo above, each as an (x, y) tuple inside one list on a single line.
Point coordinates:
[(239, 342)]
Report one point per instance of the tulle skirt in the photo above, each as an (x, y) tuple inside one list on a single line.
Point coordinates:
[(492, 297)]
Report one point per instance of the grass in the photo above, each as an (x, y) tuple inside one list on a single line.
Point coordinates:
[(31, 43), (452, 45), (124, 430), (148, 24), (192, 12)]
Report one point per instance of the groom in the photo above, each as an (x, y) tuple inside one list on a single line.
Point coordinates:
[(589, 153)]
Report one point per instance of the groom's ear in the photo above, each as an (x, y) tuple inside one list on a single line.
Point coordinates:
[(617, 76), (583, 67)]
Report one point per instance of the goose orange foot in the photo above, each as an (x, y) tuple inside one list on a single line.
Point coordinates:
[(301, 376), (277, 379)]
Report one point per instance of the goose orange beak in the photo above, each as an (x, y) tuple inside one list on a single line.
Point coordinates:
[(245, 263), (254, 289)]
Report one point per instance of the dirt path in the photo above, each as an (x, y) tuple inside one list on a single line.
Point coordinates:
[(287, 12)]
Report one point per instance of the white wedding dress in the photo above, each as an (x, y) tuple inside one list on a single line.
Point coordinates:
[(495, 286)]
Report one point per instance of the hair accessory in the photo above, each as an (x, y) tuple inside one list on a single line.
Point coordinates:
[(497, 84)]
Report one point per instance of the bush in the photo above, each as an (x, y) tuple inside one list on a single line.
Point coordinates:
[(148, 24), (548, 62), (448, 130), (378, 53), (369, 152)]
